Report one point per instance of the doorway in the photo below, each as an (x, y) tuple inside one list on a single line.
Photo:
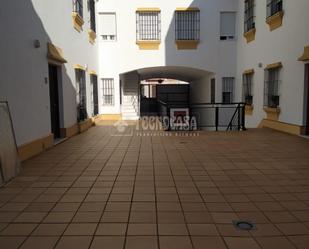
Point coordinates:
[(213, 90), (307, 97), (95, 98), (54, 100)]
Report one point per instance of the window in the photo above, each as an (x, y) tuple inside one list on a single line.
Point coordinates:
[(273, 7), (148, 25), (227, 90), (227, 25), (247, 88), (108, 91), (108, 30), (249, 15), (92, 15), (78, 7), (149, 91), (187, 25), (271, 87), (81, 94)]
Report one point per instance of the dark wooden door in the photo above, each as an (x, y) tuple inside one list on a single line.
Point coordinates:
[(94, 80), (307, 89), (54, 100)]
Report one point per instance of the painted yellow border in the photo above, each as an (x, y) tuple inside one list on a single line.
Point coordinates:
[(92, 72), (35, 147), (275, 21), (55, 53), (250, 35), (78, 66), (78, 21), (85, 125), (273, 65), (92, 36), (148, 10), (272, 113), (148, 45), (305, 55), (184, 45), (187, 9), (281, 126), (69, 131), (249, 71)]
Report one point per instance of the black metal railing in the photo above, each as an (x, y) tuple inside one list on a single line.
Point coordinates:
[(217, 116)]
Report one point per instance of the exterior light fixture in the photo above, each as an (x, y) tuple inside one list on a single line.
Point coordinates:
[(37, 43)]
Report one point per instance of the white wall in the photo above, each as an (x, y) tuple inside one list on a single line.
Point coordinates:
[(25, 68), (124, 55), (284, 44)]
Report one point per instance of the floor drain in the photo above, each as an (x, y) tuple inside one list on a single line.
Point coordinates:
[(244, 225)]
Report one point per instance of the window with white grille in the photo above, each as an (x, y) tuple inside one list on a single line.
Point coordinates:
[(227, 90), (274, 6), (227, 25), (108, 91), (187, 25), (271, 87), (78, 7), (148, 25), (249, 18)]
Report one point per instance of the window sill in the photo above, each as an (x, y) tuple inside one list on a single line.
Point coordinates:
[(92, 36), (272, 113), (78, 21), (250, 35), (149, 45), (275, 21), (187, 44), (249, 110)]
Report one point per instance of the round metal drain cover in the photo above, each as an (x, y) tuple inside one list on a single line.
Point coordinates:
[(244, 225)]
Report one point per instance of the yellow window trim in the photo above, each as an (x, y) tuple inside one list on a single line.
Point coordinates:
[(148, 45), (55, 54), (92, 72), (250, 35), (78, 66), (186, 45), (188, 9), (272, 113), (273, 65), (92, 36), (305, 56), (148, 10), (78, 21), (275, 21), (249, 71)]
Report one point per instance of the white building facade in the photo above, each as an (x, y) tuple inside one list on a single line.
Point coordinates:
[(74, 60)]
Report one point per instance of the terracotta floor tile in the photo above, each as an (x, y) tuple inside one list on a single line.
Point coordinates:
[(208, 242), (87, 217), (11, 242), (49, 230), (293, 229), (175, 242), (80, 229), (143, 217), (172, 229), (203, 230), (265, 230), (107, 242), (111, 229), (142, 229), (18, 229), (280, 217), (76, 242), (198, 217), (39, 242), (275, 242), (301, 241), (59, 217), (241, 243), (226, 218), (141, 242)]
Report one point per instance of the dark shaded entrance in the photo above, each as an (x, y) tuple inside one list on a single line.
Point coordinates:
[(54, 100), (94, 82), (307, 97)]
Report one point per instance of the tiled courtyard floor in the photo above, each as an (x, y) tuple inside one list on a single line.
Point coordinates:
[(104, 191)]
